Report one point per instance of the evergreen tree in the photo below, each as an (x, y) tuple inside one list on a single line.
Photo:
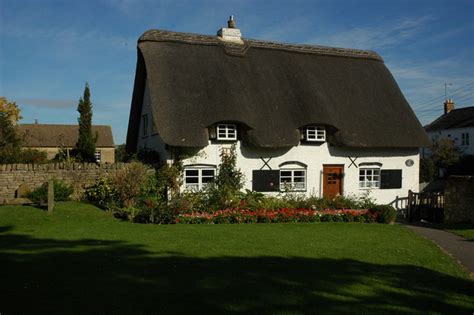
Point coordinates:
[(85, 146)]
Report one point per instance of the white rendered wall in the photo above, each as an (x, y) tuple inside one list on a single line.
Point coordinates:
[(315, 156), (456, 136)]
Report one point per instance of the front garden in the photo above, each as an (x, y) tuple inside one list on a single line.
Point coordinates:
[(80, 259), (138, 194)]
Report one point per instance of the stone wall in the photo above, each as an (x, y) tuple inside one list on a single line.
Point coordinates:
[(79, 175), (459, 202)]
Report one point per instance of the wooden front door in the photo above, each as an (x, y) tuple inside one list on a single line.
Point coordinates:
[(332, 180)]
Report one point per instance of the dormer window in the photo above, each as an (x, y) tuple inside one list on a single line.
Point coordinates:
[(315, 133), (226, 132)]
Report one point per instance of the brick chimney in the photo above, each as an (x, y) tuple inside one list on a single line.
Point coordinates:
[(231, 33), (448, 106)]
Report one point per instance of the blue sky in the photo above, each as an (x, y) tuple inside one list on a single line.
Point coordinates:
[(50, 48)]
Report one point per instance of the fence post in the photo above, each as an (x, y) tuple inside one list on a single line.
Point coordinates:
[(410, 200), (50, 196)]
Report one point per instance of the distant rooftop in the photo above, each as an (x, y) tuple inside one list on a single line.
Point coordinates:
[(48, 135), (457, 118)]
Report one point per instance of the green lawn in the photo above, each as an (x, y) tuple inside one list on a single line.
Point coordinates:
[(81, 260), (463, 230)]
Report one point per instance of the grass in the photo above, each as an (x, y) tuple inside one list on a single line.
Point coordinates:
[(81, 260), (464, 230)]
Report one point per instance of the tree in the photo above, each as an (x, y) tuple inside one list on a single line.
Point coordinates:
[(445, 154), (10, 109), (10, 143), (85, 146), (427, 170), (11, 150)]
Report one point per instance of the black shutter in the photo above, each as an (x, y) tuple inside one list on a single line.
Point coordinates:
[(266, 180), (390, 179)]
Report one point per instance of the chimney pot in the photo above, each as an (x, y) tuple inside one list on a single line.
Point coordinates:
[(448, 106), (231, 22)]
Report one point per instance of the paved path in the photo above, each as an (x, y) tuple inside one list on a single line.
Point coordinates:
[(461, 249)]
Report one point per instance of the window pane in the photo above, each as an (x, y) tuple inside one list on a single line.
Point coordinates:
[(208, 173), (300, 186), (285, 173), (298, 173), (192, 180), (207, 179), (192, 172), (299, 180)]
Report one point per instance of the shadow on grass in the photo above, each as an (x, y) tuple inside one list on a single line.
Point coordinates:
[(94, 276)]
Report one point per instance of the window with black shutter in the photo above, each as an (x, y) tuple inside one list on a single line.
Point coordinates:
[(266, 180), (390, 179)]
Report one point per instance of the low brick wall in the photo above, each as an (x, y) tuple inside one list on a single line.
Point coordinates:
[(459, 202), (79, 175)]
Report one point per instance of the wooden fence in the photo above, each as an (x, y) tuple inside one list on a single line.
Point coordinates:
[(428, 206)]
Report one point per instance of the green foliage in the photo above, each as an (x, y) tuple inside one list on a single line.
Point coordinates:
[(102, 194), (445, 154), (427, 170), (10, 143), (132, 182), (254, 201), (85, 146), (62, 192), (121, 154), (126, 188), (169, 179), (224, 192), (33, 156), (385, 213), (9, 109)]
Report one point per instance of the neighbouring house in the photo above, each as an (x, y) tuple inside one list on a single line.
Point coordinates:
[(456, 125), (51, 138), (317, 120)]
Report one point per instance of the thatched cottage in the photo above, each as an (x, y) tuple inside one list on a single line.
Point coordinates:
[(318, 120)]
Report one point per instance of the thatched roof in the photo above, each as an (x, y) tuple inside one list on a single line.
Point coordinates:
[(457, 118), (271, 89), (44, 135)]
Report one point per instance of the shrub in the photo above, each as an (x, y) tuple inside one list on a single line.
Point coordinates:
[(62, 192), (225, 190), (384, 213), (132, 182), (164, 215), (33, 156), (102, 194)]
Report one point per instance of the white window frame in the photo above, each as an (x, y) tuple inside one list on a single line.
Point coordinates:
[(465, 139), (293, 185), (200, 185), (226, 132), (98, 156), (316, 133), (369, 178)]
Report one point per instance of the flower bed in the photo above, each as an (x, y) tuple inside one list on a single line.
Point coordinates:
[(237, 215)]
